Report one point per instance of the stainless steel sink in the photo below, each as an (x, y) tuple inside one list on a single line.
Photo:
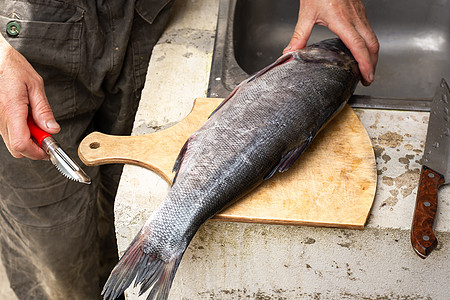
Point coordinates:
[(414, 53)]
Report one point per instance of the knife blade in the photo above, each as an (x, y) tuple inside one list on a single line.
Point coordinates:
[(65, 165), (435, 172)]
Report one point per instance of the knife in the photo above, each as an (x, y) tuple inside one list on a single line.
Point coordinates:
[(435, 172), (58, 157)]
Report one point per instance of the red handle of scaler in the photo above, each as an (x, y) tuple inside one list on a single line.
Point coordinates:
[(37, 133)]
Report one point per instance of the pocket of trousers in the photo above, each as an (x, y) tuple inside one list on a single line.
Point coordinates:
[(149, 9), (48, 35)]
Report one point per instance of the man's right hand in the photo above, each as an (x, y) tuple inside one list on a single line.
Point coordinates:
[(21, 91)]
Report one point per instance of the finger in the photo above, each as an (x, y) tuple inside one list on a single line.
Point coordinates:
[(357, 46), (301, 34), (371, 41), (40, 108), (20, 143)]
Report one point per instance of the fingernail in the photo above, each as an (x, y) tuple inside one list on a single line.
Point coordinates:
[(52, 124), (288, 47), (370, 77)]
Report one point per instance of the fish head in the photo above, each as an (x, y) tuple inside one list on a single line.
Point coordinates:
[(332, 52)]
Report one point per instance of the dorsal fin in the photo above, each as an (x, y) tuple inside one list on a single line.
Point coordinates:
[(225, 100), (283, 59), (179, 160)]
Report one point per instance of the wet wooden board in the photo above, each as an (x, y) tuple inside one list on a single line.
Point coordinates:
[(332, 184)]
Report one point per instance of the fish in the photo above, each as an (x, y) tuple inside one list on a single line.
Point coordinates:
[(260, 129)]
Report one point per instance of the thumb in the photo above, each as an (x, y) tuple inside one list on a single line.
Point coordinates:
[(40, 108), (301, 34)]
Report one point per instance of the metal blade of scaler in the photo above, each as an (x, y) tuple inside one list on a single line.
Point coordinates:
[(67, 166)]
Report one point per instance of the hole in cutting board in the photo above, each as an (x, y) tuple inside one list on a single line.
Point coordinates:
[(94, 145)]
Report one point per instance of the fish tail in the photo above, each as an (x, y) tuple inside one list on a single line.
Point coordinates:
[(149, 271)]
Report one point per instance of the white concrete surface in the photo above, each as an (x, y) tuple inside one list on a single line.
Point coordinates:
[(255, 261), (6, 293)]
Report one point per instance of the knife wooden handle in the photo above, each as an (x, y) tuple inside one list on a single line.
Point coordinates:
[(423, 239)]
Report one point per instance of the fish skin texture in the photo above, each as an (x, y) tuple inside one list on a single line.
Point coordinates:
[(260, 129)]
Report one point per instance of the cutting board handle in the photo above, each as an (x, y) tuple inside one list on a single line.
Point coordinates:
[(99, 149)]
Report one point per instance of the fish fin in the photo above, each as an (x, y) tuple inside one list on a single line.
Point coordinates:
[(283, 59), (179, 160), (289, 159), (146, 269), (226, 100)]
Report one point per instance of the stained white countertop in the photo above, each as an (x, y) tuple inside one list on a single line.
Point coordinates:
[(237, 260)]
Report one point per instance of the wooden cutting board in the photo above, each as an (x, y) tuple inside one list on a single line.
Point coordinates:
[(332, 184)]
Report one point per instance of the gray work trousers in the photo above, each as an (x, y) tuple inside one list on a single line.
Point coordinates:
[(57, 238)]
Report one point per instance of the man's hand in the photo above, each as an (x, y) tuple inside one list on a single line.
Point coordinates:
[(347, 19), (21, 90)]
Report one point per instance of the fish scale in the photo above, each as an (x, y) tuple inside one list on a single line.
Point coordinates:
[(260, 129)]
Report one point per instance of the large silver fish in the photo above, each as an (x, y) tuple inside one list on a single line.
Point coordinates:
[(260, 129)]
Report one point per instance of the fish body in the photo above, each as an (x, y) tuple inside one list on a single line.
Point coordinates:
[(260, 129)]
